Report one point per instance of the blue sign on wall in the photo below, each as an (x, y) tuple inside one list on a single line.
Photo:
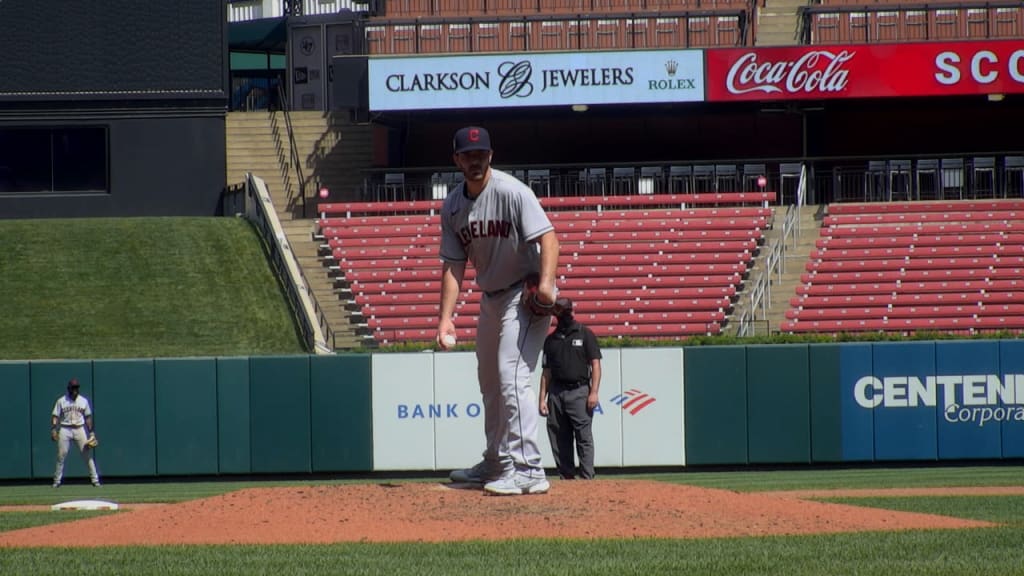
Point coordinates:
[(858, 429), (967, 386), (1011, 367), (949, 400)]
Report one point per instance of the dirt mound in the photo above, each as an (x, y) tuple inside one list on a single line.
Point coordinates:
[(432, 512)]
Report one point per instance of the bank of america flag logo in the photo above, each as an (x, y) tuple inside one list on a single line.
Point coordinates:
[(634, 400)]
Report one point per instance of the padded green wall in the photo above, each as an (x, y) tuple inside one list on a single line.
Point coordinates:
[(186, 416), (826, 415), (125, 409), (716, 405), (16, 425), (340, 412), (279, 397), (233, 422), (778, 404)]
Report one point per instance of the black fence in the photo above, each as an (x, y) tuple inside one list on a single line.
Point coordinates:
[(828, 179)]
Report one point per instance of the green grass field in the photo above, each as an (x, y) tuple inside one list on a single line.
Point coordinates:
[(992, 551), (139, 288)]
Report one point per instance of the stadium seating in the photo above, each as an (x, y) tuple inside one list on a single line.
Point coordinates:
[(454, 26), (953, 266), (859, 21), (649, 266)]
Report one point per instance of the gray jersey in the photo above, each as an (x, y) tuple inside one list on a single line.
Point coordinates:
[(495, 232)]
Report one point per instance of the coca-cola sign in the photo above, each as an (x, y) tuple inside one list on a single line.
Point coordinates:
[(865, 71), (815, 71)]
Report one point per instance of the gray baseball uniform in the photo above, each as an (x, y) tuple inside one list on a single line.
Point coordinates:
[(70, 414), (496, 233)]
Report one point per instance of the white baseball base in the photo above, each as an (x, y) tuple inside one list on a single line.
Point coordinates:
[(85, 505)]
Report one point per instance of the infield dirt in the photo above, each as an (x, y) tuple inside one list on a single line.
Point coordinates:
[(435, 512)]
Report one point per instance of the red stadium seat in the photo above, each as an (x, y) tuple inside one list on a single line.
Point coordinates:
[(896, 286), (922, 229), (643, 265), (917, 252), (934, 298), (888, 312), (907, 325), (915, 264), (920, 218), (929, 206), (669, 331), (905, 266), (992, 239), (912, 275)]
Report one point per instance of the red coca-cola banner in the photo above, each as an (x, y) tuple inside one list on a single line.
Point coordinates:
[(865, 71)]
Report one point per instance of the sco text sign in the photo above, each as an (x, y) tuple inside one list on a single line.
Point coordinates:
[(866, 71)]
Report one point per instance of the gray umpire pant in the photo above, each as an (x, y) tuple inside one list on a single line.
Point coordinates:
[(569, 427)]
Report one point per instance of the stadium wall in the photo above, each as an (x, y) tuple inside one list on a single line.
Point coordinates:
[(870, 403), (147, 81)]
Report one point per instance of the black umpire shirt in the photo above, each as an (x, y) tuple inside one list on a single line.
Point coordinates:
[(568, 354)]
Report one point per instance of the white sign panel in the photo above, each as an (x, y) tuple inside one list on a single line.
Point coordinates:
[(403, 400), (535, 79), (459, 420), (652, 407), (428, 414), (608, 415)]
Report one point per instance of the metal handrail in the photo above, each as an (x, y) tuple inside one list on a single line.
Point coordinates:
[(775, 261), (295, 158), (312, 321)]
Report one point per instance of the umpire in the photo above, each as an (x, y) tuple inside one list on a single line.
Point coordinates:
[(569, 388)]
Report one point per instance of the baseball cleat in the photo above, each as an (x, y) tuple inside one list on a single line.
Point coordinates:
[(518, 483), (96, 483), (475, 475)]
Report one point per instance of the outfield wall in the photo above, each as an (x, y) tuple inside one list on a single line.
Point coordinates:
[(709, 405)]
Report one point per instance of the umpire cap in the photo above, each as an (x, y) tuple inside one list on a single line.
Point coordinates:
[(563, 306)]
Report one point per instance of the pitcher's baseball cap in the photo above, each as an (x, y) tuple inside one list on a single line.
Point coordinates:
[(471, 138)]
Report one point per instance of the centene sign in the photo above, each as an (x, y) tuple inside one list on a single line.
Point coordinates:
[(866, 71), (964, 398)]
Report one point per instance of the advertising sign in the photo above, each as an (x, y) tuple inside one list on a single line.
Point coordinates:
[(866, 71), (933, 400), (436, 422), (537, 79)]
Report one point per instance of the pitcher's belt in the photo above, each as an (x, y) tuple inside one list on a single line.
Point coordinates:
[(500, 291)]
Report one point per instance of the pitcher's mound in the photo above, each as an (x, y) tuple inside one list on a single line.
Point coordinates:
[(435, 512)]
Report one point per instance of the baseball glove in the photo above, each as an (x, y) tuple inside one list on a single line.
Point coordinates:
[(530, 300), (92, 441)]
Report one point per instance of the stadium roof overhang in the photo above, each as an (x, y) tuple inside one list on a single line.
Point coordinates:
[(263, 35)]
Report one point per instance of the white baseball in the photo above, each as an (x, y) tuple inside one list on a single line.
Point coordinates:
[(448, 340)]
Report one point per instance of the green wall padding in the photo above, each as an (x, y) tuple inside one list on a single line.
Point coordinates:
[(49, 380), (778, 404), (186, 416), (16, 427), (233, 423), (279, 388), (124, 405), (340, 408), (715, 402), (826, 414)]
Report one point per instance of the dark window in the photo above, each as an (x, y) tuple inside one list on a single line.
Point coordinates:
[(47, 160)]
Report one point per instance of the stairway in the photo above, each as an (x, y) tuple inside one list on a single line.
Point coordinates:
[(778, 22), (782, 287), (334, 154), (793, 257)]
